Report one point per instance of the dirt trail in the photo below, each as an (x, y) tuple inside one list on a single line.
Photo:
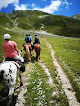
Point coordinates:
[(67, 87), (23, 89)]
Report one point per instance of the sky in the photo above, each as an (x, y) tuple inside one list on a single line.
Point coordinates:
[(54, 7)]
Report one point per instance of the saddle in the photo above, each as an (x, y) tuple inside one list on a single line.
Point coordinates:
[(29, 45), (19, 64)]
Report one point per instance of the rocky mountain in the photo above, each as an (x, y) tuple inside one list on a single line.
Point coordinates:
[(77, 16)]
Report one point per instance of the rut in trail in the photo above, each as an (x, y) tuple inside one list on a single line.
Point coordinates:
[(67, 87)]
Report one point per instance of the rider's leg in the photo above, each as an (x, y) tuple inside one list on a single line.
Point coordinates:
[(21, 63), (19, 58)]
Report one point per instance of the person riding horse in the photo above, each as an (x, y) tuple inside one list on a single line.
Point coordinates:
[(36, 40), (28, 46), (28, 39), (11, 51), (37, 47), (10, 70)]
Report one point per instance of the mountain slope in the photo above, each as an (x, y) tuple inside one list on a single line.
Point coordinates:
[(77, 16), (34, 20)]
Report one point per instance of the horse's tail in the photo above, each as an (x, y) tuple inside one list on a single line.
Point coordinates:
[(37, 48), (28, 52)]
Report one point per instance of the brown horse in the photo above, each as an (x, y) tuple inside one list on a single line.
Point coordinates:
[(28, 48), (37, 50)]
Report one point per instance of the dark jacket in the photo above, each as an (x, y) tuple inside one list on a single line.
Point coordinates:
[(36, 40)]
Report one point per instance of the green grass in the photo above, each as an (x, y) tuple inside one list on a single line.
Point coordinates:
[(5, 21), (39, 92), (68, 55)]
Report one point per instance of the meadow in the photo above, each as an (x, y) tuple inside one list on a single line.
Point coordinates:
[(67, 52)]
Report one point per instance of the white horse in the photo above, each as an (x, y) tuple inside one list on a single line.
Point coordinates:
[(9, 71)]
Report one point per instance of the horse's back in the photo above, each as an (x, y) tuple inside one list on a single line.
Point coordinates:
[(10, 72), (37, 47), (7, 65), (27, 45)]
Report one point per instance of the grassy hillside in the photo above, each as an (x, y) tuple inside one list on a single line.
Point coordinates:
[(5, 21), (55, 24), (61, 25), (33, 20)]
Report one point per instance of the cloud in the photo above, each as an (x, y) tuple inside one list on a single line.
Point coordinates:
[(21, 7), (66, 3), (33, 5), (5, 3), (54, 6)]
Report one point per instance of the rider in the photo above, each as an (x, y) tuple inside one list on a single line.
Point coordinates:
[(11, 51), (10, 48), (28, 39), (36, 40)]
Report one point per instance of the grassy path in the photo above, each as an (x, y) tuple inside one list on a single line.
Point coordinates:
[(23, 89), (39, 88), (64, 80)]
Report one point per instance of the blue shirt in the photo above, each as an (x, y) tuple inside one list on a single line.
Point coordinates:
[(28, 39)]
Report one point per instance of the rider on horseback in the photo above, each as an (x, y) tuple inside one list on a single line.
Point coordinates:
[(36, 40), (28, 39), (11, 51)]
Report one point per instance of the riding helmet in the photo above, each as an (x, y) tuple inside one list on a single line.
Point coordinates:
[(7, 36)]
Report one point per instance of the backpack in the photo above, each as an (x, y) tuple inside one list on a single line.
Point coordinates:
[(28, 39)]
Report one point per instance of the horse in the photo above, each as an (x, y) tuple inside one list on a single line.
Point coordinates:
[(37, 49), (9, 71), (28, 48)]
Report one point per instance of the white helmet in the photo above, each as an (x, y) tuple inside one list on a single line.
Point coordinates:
[(7, 36)]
